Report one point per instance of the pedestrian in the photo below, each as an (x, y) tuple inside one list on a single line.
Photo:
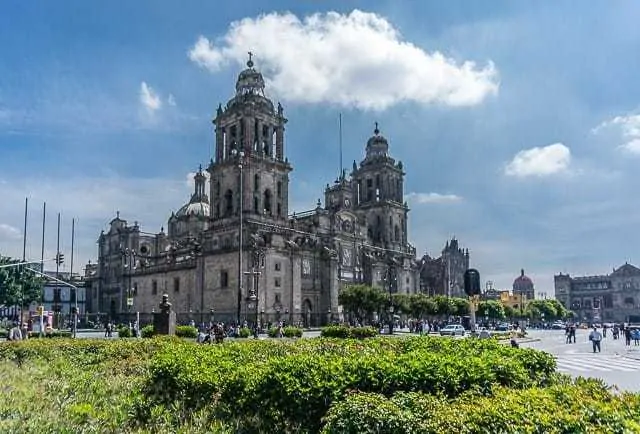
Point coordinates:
[(604, 331), (595, 337), (635, 334), (627, 336)]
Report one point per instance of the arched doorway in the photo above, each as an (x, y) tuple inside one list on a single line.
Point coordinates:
[(307, 313)]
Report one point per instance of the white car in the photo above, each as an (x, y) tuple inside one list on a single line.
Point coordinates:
[(452, 330)]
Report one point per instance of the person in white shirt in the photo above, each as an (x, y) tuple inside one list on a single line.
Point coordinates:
[(595, 337)]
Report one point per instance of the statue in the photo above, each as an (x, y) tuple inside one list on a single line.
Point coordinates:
[(164, 322), (280, 109)]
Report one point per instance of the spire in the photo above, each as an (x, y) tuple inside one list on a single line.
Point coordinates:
[(376, 131), (250, 62), (521, 272)]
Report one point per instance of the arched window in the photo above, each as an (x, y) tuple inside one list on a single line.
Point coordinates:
[(217, 189), (256, 204), (256, 182), (267, 202), (228, 203), (279, 189), (397, 233)]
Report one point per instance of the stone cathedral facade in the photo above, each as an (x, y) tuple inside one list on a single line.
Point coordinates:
[(235, 251)]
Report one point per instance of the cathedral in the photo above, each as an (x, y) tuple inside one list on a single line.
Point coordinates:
[(234, 252)]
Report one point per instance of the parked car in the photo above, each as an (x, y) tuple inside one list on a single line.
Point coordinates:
[(452, 330), (558, 325), (503, 327)]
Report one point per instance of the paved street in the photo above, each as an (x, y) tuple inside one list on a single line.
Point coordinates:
[(616, 364)]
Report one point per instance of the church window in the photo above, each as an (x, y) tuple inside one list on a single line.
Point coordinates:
[(277, 298), (279, 210), (154, 287), (272, 148), (267, 202), (256, 137), (369, 190), (277, 266), (256, 182), (217, 189), (276, 282), (378, 181), (228, 199), (176, 284), (628, 301), (224, 279), (216, 210), (256, 205), (377, 195), (397, 233), (279, 189)]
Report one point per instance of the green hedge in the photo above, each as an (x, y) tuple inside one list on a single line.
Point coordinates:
[(292, 332), (186, 331), (288, 385), (124, 332), (583, 406), (345, 332), (147, 331), (244, 332)]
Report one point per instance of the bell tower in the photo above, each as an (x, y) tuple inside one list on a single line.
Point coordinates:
[(378, 184), (249, 164)]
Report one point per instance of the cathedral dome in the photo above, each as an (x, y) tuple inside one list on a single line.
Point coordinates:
[(201, 209), (250, 81), (377, 145), (522, 282)]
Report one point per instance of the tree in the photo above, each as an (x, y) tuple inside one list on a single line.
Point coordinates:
[(509, 312), (422, 305), (445, 305), (362, 300), (462, 306), (543, 307), (401, 303), (561, 311), (18, 285), (491, 309)]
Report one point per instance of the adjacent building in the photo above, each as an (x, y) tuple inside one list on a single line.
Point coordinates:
[(611, 297), (445, 275)]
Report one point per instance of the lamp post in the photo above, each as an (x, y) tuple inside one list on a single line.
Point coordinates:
[(262, 318), (329, 316), (129, 258), (212, 312), (390, 280), (240, 156)]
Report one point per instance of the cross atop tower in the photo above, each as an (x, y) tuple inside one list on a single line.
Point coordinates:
[(376, 131), (250, 62)]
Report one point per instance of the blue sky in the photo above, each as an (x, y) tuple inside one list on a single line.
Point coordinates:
[(518, 122)]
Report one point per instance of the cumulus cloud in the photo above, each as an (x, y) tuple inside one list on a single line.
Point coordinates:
[(539, 161), (9, 233), (628, 126), (171, 100), (423, 198), (356, 60), (149, 98)]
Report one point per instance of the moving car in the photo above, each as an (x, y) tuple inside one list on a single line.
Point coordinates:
[(452, 330), (503, 327)]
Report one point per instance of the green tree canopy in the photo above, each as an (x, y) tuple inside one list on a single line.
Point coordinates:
[(422, 305), (362, 300), (401, 303), (462, 306), (510, 312), (18, 285), (491, 309)]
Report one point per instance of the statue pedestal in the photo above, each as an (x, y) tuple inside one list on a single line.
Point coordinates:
[(164, 323)]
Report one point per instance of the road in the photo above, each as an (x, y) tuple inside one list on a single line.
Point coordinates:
[(616, 365)]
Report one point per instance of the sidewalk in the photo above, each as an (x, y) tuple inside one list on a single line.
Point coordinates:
[(631, 353)]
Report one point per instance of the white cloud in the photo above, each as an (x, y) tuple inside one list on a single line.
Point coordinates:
[(149, 98), (628, 127), (422, 198), (357, 59), (191, 182), (171, 100), (540, 161), (9, 233)]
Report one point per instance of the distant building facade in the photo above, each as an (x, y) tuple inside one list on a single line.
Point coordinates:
[(291, 265), (523, 285), (445, 275), (610, 297)]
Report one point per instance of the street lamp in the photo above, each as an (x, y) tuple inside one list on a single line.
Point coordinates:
[(240, 156), (252, 304), (262, 318), (329, 316), (391, 319), (129, 259), (212, 312)]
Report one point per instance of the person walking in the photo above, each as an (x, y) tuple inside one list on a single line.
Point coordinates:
[(595, 337), (627, 336)]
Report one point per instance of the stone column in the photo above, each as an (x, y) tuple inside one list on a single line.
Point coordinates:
[(279, 143)]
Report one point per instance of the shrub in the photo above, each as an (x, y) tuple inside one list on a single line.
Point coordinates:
[(364, 332), (147, 331), (292, 332), (124, 332), (575, 406), (336, 331), (53, 334), (273, 332), (186, 331), (244, 332)]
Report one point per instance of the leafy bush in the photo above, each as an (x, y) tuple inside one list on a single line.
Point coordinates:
[(186, 332), (244, 332), (364, 332), (580, 406), (292, 332), (284, 385), (336, 331), (52, 334), (147, 331), (124, 332), (273, 332), (345, 332)]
